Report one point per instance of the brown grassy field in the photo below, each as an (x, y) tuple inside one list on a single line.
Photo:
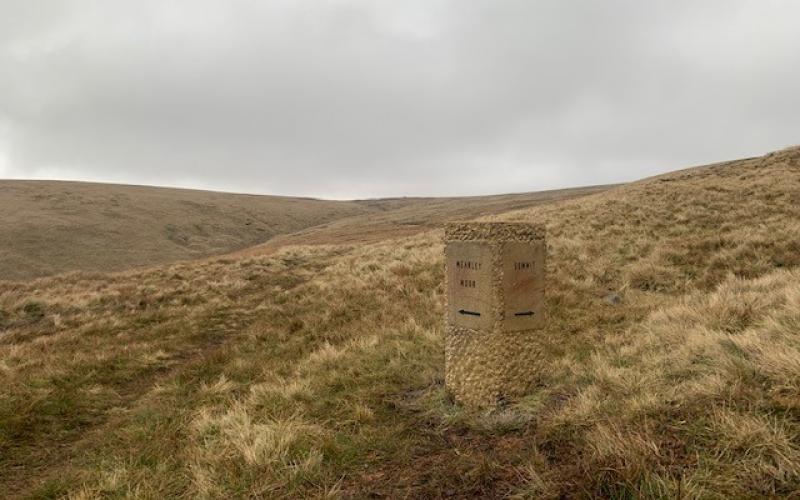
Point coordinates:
[(50, 227), (393, 218), (316, 371)]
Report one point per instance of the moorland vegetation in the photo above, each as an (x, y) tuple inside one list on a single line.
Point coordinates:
[(318, 370)]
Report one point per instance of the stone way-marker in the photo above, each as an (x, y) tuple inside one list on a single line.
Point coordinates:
[(495, 276)]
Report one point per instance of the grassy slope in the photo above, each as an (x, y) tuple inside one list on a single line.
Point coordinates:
[(318, 370), (49, 227), (400, 217)]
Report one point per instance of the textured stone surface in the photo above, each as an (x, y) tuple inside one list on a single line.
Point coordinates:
[(493, 357), (493, 231)]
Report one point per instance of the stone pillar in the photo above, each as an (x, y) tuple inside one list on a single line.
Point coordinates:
[(495, 276)]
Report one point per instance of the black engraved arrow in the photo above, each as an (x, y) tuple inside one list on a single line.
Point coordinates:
[(526, 313), (470, 313)]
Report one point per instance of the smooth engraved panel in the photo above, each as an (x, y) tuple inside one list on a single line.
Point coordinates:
[(523, 284), (469, 278)]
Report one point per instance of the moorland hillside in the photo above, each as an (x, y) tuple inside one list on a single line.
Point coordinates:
[(401, 217), (670, 363), (50, 227)]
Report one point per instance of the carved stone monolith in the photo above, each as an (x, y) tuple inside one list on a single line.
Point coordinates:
[(495, 276)]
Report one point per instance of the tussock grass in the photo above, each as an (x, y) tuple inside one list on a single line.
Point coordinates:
[(317, 371)]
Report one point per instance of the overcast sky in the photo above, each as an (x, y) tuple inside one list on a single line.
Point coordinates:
[(368, 98)]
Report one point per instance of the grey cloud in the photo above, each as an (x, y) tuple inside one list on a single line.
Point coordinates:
[(374, 98)]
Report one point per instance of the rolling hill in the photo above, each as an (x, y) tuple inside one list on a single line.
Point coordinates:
[(311, 371), (50, 227), (400, 217)]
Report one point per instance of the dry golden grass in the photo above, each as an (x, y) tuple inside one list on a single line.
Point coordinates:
[(317, 371), (50, 227), (402, 217)]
